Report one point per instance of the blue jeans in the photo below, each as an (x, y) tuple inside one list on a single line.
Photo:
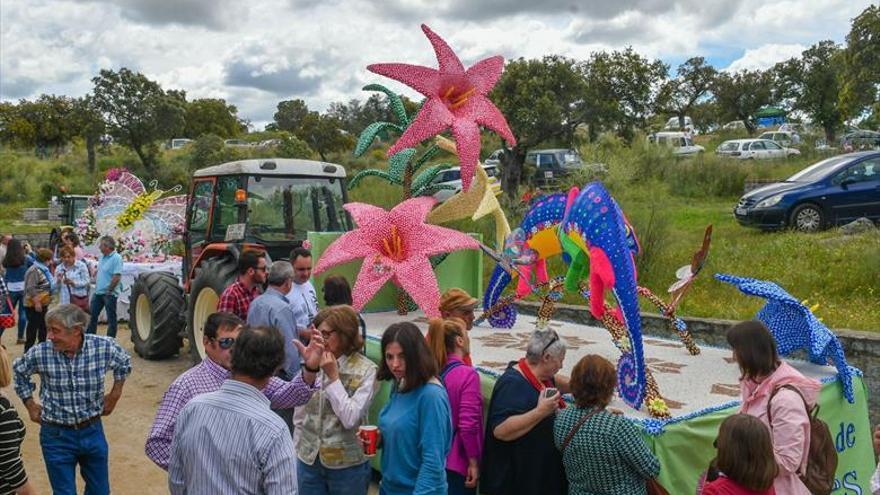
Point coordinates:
[(106, 302), (18, 299), (318, 480), (64, 448)]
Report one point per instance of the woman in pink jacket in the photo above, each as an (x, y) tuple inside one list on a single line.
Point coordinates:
[(765, 375), (449, 343)]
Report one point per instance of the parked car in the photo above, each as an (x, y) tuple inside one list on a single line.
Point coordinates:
[(674, 125), (494, 158), (734, 125), (452, 177), (754, 149), (861, 140), (680, 142), (236, 143), (783, 138), (553, 164), (795, 127), (178, 143), (834, 191)]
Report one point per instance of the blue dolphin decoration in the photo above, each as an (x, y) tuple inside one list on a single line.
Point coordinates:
[(795, 327)]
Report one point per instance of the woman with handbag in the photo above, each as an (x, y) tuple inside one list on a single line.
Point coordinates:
[(72, 279), (38, 287), (15, 265), (780, 396), (602, 452)]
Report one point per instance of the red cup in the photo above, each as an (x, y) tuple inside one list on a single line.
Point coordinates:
[(370, 435)]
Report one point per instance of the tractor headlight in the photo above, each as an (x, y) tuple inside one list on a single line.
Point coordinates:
[(771, 201)]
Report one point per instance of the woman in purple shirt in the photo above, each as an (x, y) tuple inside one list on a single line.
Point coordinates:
[(449, 343)]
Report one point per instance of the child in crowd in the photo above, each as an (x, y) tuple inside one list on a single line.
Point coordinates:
[(745, 461)]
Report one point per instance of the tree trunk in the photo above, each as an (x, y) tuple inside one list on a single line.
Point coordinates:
[(145, 158), (91, 142), (512, 169), (829, 134)]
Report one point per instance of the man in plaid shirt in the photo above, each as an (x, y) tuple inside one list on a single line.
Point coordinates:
[(221, 330), (236, 299), (72, 365)]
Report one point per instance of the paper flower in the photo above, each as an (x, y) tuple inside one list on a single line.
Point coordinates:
[(456, 98), (395, 246)]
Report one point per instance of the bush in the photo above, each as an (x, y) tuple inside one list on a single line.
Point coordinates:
[(294, 147)]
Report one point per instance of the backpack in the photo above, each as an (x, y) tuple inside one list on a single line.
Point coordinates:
[(822, 457)]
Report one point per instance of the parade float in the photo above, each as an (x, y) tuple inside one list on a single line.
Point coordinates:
[(676, 391)]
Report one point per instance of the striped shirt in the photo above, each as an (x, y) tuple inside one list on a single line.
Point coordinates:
[(71, 388), (230, 442), (12, 474), (206, 377)]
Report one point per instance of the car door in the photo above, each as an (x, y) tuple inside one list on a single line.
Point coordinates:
[(757, 150), (856, 192), (773, 150)]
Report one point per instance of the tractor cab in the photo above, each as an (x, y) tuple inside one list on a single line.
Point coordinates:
[(267, 204)]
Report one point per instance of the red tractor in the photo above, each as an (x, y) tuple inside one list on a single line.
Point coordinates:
[(266, 204)]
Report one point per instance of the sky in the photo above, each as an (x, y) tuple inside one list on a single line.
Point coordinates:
[(256, 53)]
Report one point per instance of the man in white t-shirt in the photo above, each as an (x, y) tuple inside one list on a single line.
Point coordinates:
[(302, 294)]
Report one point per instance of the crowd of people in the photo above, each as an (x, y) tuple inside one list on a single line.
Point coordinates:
[(278, 402)]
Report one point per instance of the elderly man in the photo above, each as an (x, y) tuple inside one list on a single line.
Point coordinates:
[(72, 365), (273, 309), (237, 298), (221, 332), (107, 288), (302, 296), (229, 441)]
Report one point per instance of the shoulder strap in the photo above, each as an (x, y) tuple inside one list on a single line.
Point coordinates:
[(577, 427), (773, 394), (451, 365)]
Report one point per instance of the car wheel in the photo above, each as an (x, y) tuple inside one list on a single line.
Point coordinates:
[(808, 218)]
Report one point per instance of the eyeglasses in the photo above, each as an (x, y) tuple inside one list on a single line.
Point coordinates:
[(226, 342), (554, 340)]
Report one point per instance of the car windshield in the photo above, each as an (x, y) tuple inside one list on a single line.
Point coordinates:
[(729, 146), (287, 208), (818, 170)]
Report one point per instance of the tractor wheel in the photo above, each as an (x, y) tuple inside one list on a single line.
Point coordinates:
[(155, 315), (211, 278)]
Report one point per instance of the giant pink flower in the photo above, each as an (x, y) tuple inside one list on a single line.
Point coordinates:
[(395, 246), (455, 98)]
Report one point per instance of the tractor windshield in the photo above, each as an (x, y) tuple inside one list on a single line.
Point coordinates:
[(287, 208)]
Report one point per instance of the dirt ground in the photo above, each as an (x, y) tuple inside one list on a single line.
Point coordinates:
[(131, 472)]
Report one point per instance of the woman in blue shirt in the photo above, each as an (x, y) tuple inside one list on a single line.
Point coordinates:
[(415, 424), (15, 265)]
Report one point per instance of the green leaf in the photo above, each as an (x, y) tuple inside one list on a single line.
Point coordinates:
[(428, 176), (398, 162), (374, 173), (393, 100), (369, 135)]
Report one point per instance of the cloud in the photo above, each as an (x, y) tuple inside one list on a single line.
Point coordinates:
[(212, 14), (764, 57)]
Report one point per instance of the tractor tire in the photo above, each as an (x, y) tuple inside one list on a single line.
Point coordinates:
[(211, 278), (155, 315)]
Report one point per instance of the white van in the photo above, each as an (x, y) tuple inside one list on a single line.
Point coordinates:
[(673, 125), (680, 142)]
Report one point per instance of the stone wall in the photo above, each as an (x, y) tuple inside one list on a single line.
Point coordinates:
[(862, 349)]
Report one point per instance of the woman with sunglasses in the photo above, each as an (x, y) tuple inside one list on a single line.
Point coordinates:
[(520, 457), (330, 456)]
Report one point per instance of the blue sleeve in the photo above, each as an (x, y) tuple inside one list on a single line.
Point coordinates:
[(117, 265), (435, 425)]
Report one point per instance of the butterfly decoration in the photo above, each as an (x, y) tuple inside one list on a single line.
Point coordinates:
[(123, 206), (687, 273)]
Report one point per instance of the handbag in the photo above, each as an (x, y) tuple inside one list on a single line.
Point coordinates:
[(7, 320), (81, 302)]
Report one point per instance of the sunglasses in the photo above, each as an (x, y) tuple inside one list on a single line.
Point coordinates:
[(226, 342), (554, 340)]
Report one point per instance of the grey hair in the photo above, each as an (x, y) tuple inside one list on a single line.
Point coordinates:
[(279, 273), (68, 316), (108, 241), (540, 344)]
